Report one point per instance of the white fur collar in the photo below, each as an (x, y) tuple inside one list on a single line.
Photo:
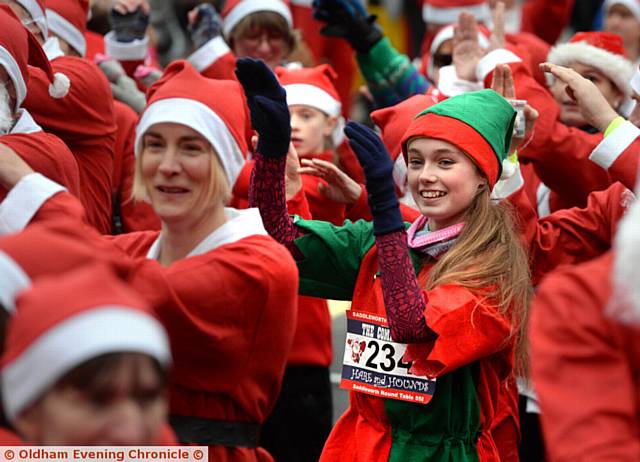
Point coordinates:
[(25, 124)]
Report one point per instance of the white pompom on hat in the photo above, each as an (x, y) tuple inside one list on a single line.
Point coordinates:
[(52, 333), (19, 49)]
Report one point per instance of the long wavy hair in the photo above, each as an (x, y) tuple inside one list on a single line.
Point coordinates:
[(488, 258)]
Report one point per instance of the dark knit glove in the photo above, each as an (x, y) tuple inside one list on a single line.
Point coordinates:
[(207, 25), (129, 27), (348, 19), (267, 102), (378, 171)]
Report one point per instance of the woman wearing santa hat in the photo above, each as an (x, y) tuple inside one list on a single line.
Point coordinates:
[(110, 388), (225, 291)]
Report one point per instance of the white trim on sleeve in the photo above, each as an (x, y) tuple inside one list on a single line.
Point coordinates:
[(24, 200), (612, 146), (492, 59), (209, 53), (125, 51)]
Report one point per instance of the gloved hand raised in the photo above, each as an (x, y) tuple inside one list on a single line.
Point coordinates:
[(129, 19), (348, 19), (204, 24), (267, 102), (378, 171)]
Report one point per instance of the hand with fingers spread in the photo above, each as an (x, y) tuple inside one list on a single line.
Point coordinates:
[(204, 24), (267, 102), (129, 19), (339, 188), (349, 20), (503, 84), (378, 171), (595, 109), (467, 51)]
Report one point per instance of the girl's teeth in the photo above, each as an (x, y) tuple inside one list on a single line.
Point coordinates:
[(432, 194)]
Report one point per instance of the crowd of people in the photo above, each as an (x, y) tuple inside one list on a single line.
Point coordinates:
[(170, 235)]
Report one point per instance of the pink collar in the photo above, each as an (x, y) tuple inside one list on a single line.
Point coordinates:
[(431, 237)]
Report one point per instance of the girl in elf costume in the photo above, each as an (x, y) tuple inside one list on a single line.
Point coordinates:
[(454, 300)]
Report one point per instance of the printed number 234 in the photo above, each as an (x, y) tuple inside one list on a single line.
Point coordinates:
[(388, 362)]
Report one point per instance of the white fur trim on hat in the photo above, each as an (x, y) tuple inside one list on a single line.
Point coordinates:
[(311, 95), (107, 329), (13, 280), (617, 68), (246, 7), (200, 118), (67, 31), (11, 67), (36, 13), (632, 5), (434, 15)]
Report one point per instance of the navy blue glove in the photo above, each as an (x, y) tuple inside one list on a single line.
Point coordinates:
[(129, 27), (348, 19), (378, 172), (267, 102), (207, 25)]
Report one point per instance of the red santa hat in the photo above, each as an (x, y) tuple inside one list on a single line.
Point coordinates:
[(214, 108), (51, 333), (447, 11), (632, 5), (36, 10), (68, 20), (393, 122), (235, 11), (19, 49), (314, 87), (603, 51)]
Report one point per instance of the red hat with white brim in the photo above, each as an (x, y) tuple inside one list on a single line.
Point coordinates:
[(68, 20), (447, 11), (235, 11)]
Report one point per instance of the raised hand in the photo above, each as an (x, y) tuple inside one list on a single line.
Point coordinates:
[(378, 171), (349, 20), (267, 102), (594, 107), (204, 24), (340, 187), (467, 51), (129, 19)]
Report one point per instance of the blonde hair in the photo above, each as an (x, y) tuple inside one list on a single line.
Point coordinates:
[(488, 258), (217, 189)]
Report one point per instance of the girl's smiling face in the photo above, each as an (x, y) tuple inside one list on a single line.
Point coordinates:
[(442, 179)]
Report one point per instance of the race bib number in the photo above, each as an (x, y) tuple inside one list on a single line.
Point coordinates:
[(373, 362)]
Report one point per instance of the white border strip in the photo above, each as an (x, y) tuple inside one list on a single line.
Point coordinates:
[(129, 51), (436, 15), (11, 66), (33, 8), (311, 95), (209, 53), (612, 146)]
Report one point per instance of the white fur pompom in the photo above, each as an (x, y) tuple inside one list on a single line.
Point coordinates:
[(60, 86)]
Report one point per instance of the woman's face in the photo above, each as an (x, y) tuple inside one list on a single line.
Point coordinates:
[(309, 128), (569, 111), (619, 20), (128, 411), (26, 19), (176, 171), (442, 179), (269, 46)]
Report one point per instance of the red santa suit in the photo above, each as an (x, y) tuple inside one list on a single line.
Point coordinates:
[(547, 18), (585, 367)]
